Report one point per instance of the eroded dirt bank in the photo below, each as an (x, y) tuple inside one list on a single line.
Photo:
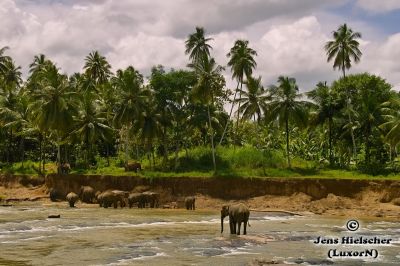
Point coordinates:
[(379, 198)]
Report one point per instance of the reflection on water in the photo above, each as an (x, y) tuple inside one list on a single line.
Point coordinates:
[(96, 236)]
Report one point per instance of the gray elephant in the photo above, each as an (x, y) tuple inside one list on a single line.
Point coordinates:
[(189, 203), (54, 194), (87, 194), (111, 198), (238, 214), (152, 198), (136, 198), (72, 198)]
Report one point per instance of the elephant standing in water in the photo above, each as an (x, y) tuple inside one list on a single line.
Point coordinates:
[(87, 194), (152, 198), (72, 198), (189, 203), (136, 198), (238, 214), (111, 198)]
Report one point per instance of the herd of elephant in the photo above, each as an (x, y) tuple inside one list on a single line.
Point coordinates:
[(117, 198), (238, 213)]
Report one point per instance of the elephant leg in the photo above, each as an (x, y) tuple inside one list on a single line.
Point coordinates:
[(194, 206), (234, 227), (244, 227), (231, 226), (71, 204), (238, 228), (115, 204)]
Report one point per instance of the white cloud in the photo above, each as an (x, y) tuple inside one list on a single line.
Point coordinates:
[(379, 6), (288, 36)]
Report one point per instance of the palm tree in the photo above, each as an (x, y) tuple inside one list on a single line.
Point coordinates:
[(326, 106), (286, 107), (53, 104), (197, 46), (131, 100), (343, 48), (391, 109), (97, 68), (209, 82), (90, 124), (242, 63), (3, 59), (254, 100)]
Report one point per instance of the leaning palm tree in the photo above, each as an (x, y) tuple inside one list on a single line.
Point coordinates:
[(197, 46), (286, 106), (391, 126), (209, 82), (242, 64), (342, 49), (97, 68)]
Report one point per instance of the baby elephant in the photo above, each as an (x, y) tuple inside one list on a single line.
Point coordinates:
[(189, 203), (136, 198), (72, 198)]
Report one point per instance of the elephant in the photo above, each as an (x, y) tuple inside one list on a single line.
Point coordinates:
[(152, 198), (54, 194), (87, 194), (189, 203), (108, 198), (238, 214), (72, 198), (136, 198), (65, 168), (133, 167)]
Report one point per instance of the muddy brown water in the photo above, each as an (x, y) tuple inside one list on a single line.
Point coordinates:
[(97, 236)]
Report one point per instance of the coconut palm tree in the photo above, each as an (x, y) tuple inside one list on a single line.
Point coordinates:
[(131, 100), (197, 46), (286, 106), (391, 110), (242, 63), (54, 104), (209, 82), (3, 59), (326, 103), (97, 68), (254, 99), (343, 48), (90, 124)]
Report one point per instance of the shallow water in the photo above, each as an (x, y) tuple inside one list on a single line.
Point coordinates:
[(97, 236)]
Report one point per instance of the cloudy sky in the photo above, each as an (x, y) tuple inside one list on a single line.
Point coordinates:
[(288, 35)]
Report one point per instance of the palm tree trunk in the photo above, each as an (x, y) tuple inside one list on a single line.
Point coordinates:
[(126, 147), (22, 152), (237, 119), (108, 154), (287, 141), (349, 116), (44, 154), (212, 138), (230, 114), (58, 155), (330, 141)]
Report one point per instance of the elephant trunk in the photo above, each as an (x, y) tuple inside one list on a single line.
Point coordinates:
[(222, 224)]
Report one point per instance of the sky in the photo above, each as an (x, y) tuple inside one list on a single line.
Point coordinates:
[(288, 35)]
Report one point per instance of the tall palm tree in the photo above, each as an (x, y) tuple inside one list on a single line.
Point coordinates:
[(97, 68), (343, 48), (54, 104), (326, 106), (130, 102), (286, 106), (197, 46), (242, 63), (209, 82)]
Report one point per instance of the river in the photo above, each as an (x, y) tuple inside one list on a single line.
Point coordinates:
[(97, 236)]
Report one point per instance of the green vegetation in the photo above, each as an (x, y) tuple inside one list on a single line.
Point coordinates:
[(174, 122)]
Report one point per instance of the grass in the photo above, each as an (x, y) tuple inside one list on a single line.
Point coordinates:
[(243, 162)]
